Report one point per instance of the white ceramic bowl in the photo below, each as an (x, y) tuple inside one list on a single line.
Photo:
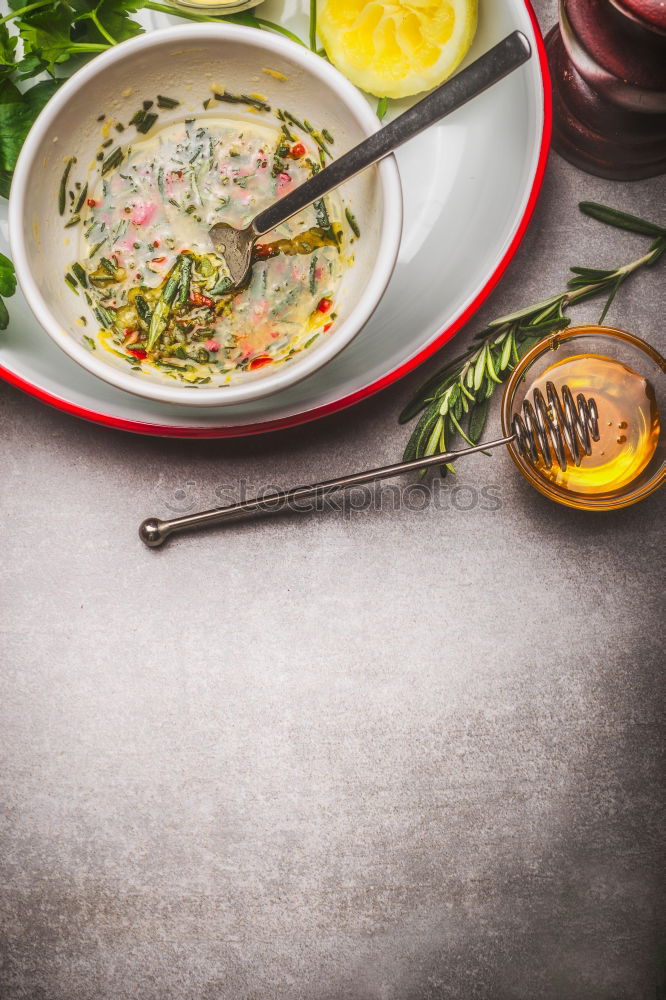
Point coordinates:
[(184, 62)]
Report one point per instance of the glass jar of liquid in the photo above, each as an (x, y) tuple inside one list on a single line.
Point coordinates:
[(627, 379)]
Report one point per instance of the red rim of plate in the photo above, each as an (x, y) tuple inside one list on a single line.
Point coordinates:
[(243, 430)]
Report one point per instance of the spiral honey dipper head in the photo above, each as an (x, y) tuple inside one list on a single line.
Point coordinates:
[(564, 427)]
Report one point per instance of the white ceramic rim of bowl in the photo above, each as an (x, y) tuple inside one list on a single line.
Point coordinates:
[(286, 375)]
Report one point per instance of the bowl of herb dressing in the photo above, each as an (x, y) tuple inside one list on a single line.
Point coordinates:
[(132, 162)]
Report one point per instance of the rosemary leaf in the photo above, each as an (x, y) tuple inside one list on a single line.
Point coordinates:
[(477, 420), (621, 220), (609, 300), (479, 368), (505, 356)]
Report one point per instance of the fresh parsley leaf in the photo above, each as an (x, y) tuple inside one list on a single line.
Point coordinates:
[(14, 124), (31, 65), (7, 287), (17, 113), (39, 95), (46, 33), (105, 20), (7, 47), (7, 277)]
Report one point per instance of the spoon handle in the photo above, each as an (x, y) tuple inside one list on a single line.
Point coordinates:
[(495, 64)]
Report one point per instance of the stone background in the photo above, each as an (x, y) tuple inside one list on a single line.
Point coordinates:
[(381, 755)]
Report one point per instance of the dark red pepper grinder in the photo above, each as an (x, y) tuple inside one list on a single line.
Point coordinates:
[(608, 65)]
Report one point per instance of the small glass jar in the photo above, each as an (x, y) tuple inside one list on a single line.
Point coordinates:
[(215, 6), (598, 340)]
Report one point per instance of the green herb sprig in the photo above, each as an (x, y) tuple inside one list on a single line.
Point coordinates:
[(454, 402), (7, 288), (55, 36)]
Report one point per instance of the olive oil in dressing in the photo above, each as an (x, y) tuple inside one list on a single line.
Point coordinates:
[(628, 423)]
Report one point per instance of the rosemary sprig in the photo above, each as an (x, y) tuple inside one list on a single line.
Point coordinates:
[(454, 401)]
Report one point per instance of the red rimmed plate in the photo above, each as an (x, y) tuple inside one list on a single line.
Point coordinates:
[(470, 185)]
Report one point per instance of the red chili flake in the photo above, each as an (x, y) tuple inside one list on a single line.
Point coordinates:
[(158, 260), (138, 354), (156, 243), (198, 299), (324, 305), (297, 151), (90, 202), (259, 362), (327, 327), (262, 250)]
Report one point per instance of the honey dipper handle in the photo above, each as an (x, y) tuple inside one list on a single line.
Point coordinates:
[(153, 531)]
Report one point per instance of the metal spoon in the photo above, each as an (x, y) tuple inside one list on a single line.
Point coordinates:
[(235, 245)]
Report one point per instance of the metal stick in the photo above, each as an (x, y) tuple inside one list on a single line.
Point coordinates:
[(153, 531), (569, 427)]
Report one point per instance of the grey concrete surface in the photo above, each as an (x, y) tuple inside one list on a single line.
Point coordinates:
[(370, 755)]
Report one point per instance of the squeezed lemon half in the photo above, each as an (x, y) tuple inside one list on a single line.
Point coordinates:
[(395, 48)]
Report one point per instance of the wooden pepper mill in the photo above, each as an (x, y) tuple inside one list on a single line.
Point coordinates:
[(608, 64)]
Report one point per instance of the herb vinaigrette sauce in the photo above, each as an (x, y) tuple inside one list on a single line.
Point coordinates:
[(159, 291)]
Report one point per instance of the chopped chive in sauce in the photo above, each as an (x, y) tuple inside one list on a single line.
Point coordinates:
[(104, 317), (353, 224), (295, 121), (73, 221), (166, 102), (89, 342), (80, 274), (80, 200), (253, 102), (114, 159), (146, 123), (71, 281), (62, 192)]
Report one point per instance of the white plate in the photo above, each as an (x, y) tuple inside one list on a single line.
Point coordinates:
[(469, 184)]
